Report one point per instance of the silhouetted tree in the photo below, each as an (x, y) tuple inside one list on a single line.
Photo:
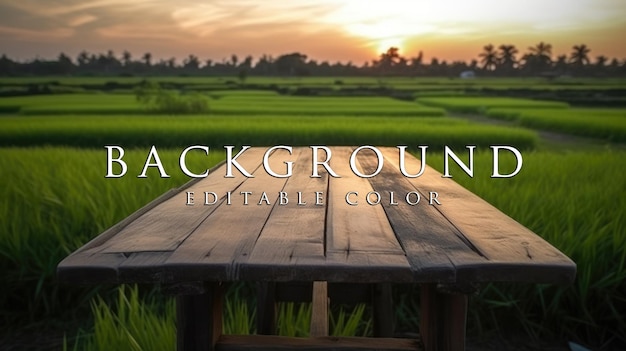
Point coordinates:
[(561, 65), (538, 60), (7, 66), (501, 62), (65, 64), (489, 57), (580, 55), (542, 50), (388, 59), (83, 58), (601, 61), (291, 64), (147, 59), (126, 58), (506, 57)]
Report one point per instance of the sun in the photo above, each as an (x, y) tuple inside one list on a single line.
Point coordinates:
[(380, 25)]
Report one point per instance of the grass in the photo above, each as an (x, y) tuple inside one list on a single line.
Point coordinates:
[(216, 131), (480, 104), (55, 200), (607, 124), (220, 103), (135, 322)]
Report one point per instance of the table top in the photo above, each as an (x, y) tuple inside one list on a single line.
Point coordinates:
[(304, 228)]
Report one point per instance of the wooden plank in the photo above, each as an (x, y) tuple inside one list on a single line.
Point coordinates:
[(365, 267), (291, 245), (513, 252), (360, 243), (164, 227), (355, 228), (226, 238), (145, 267), (319, 313), (270, 343), (85, 268), (432, 244)]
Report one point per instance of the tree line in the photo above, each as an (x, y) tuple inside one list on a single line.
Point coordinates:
[(502, 61)]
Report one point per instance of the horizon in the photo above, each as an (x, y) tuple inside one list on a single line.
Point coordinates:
[(324, 30)]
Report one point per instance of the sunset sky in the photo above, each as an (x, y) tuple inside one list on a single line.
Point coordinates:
[(333, 30)]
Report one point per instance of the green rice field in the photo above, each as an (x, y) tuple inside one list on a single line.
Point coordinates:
[(56, 198), (221, 103), (216, 131), (479, 104), (608, 124)]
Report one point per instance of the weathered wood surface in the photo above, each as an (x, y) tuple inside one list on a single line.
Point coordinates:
[(462, 241)]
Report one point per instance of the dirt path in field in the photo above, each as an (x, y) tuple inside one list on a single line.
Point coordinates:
[(548, 138)]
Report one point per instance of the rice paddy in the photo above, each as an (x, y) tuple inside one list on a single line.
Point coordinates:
[(56, 198)]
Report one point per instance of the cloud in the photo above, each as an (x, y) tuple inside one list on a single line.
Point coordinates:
[(247, 26), (81, 20), (35, 35)]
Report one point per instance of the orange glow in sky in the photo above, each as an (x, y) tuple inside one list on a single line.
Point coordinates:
[(333, 30)]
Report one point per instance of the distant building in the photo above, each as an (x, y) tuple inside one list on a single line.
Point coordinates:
[(467, 74)]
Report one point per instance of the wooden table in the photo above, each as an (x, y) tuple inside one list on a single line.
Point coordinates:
[(323, 236)]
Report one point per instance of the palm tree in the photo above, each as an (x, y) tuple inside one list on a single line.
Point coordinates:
[(147, 59), (580, 54), (561, 64), (191, 62), (390, 57), (83, 58), (417, 60), (507, 55), (489, 57), (601, 60), (171, 62), (126, 57), (543, 51)]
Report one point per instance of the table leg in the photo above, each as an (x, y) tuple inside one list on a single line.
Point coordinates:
[(199, 319), (443, 317), (382, 304), (266, 308)]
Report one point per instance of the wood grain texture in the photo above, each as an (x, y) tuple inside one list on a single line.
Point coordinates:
[(360, 242), (168, 224), (291, 244), (461, 242), (512, 252), (432, 244), (319, 312), (225, 240)]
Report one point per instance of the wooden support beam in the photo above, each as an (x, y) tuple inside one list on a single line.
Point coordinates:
[(266, 308), (382, 304), (199, 319), (319, 314), (443, 316), (274, 343)]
